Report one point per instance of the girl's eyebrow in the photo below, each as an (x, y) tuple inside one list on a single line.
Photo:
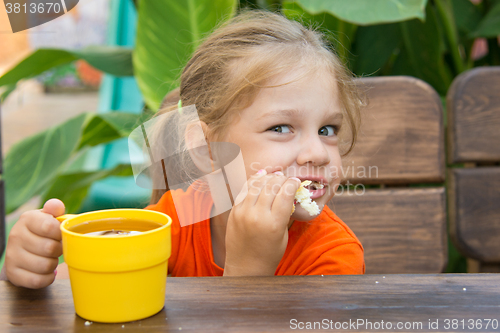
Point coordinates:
[(282, 113), (336, 116), (290, 113)]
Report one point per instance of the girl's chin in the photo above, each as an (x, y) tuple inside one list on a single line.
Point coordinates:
[(301, 214)]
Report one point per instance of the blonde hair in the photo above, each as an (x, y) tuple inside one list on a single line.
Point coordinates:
[(236, 60)]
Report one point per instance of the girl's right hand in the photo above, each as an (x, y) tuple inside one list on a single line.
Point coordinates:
[(257, 228), (34, 246)]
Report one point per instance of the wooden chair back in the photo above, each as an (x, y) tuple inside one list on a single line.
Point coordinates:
[(473, 106), (401, 225)]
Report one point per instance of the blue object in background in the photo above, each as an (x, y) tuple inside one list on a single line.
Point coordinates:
[(117, 94)]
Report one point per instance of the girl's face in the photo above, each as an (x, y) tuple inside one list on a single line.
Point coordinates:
[(293, 128)]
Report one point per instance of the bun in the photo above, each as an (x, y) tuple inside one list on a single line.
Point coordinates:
[(303, 196)]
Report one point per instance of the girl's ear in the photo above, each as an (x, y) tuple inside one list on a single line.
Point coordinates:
[(198, 146)]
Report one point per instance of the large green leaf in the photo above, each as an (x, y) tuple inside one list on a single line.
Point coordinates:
[(374, 47), (32, 164), (490, 25), (366, 12), (340, 33), (110, 126), (467, 15), (6, 90), (425, 46), (402, 64), (72, 188), (113, 60), (168, 32)]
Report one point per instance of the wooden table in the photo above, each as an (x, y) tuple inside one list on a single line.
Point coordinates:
[(460, 302)]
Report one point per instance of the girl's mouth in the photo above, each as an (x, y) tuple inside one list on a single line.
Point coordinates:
[(314, 186), (307, 191), (317, 189), (317, 193)]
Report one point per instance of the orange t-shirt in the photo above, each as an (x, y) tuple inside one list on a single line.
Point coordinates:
[(324, 245)]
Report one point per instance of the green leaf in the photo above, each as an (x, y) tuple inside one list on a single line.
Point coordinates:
[(113, 60), (35, 162), (106, 127), (402, 64), (268, 4), (32, 163), (467, 15), (374, 47), (168, 32), (340, 33), (489, 27), (366, 12), (446, 23), (6, 90), (425, 48), (72, 188), (36, 63)]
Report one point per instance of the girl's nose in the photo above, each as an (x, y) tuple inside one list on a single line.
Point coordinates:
[(313, 150)]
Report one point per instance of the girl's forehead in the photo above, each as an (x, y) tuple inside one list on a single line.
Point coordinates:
[(303, 73), (299, 86)]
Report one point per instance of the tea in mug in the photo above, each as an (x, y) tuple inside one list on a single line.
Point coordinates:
[(114, 227)]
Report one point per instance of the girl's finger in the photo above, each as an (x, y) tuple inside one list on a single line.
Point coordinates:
[(255, 185), (282, 204), (36, 264), (29, 279), (54, 207), (270, 190), (43, 225), (42, 246)]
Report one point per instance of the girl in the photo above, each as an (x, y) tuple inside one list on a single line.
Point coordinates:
[(272, 87)]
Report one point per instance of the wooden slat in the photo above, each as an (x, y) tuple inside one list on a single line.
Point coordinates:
[(473, 104), (401, 230), (474, 212), (402, 134)]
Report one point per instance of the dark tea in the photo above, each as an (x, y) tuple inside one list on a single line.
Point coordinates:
[(114, 227)]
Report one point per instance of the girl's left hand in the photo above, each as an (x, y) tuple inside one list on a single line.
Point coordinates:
[(257, 228)]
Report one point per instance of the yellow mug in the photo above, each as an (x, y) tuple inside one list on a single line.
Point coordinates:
[(117, 278)]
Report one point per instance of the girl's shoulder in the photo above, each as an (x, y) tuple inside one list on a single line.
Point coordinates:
[(326, 227), (329, 215), (184, 207), (164, 205)]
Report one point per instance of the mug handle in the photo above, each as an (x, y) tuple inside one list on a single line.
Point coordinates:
[(65, 217)]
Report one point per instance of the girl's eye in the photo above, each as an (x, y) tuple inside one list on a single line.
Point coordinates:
[(280, 129), (328, 130)]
